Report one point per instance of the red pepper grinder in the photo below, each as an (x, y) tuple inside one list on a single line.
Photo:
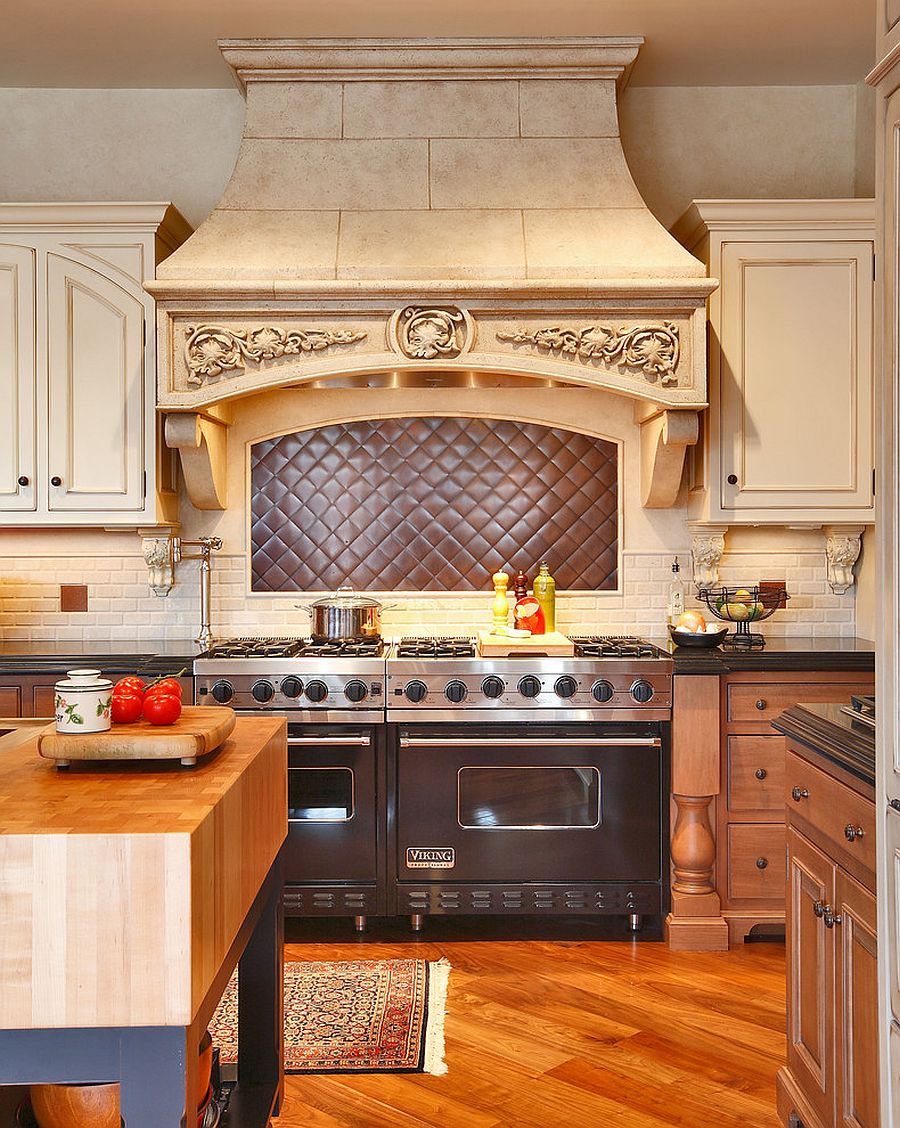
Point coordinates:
[(520, 584)]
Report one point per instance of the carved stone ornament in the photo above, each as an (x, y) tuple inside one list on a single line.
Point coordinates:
[(427, 334), (652, 349), (842, 548), (707, 549), (159, 558), (212, 349)]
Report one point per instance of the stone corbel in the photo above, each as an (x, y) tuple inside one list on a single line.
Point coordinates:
[(160, 561), (201, 442), (665, 437), (842, 547), (707, 549)]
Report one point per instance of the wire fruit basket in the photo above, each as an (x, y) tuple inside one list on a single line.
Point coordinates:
[(743, 606)]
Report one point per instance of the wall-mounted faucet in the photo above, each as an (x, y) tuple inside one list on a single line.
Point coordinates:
[(163, 553)]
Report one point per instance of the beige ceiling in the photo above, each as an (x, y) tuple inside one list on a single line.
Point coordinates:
[(172, 43)]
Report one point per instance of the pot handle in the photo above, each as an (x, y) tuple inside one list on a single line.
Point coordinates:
[(303, 607)]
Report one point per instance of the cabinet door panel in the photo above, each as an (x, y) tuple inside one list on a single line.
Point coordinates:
[(43, 701), (10, 701), (810, 974), (796, 399), (17, 378), (96, 384), (856, 1020)]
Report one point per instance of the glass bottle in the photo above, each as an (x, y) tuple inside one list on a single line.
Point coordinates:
[(544, 589), (675, 605)]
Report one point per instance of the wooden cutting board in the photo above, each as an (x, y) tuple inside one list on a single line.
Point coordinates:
[(552, 645), (199, 730)]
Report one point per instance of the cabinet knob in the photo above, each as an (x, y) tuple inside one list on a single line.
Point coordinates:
[(761, 703), (820, 908), (798, 793), (731, 479), (761, 773), (56, 480), (22, 479), (832, 918), (851, 832), (761, 863)]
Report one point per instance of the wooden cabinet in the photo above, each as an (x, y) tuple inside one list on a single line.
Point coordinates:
[(831, 1077), (32, 695), (78, 364), (789, 433), (750, 819)]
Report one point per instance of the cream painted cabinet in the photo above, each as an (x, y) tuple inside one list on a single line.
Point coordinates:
[(78, 364), (789, 431)]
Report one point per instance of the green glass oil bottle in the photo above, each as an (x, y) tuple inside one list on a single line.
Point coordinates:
[(544, 588)]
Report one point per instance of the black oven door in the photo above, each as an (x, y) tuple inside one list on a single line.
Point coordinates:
[(529, 804), (332, 829)]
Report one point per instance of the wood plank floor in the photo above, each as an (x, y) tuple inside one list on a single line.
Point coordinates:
[(565, 1025)]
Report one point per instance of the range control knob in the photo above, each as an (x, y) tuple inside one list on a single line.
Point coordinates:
[(356, 691), (642, 691), (316, 691), (222, 691), (492, 686), (291, 687), (602, 691), (456, 691), (565, 687), (262, 692), (416, 691), (530, 686)]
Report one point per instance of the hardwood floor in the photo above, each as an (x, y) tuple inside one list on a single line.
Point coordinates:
[(555, 1025)]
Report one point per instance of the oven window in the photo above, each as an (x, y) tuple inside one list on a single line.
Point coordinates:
[(320, 794), (520, 798)]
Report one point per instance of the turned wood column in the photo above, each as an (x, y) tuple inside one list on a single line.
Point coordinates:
[(695, 922)]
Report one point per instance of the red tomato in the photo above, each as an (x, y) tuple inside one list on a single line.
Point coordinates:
[(161, 708), (126, 707), (166, 685), (131, 683)]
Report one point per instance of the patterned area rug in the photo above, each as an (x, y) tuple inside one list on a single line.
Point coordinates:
[(359, 1016)]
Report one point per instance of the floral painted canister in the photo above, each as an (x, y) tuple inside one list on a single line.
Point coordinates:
[(83, 702)]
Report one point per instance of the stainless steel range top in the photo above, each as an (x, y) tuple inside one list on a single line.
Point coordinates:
[(609, 678)]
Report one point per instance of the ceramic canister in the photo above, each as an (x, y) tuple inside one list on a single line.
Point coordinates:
[(83, 702)]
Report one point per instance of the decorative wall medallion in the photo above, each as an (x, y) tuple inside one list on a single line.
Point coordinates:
[(653, 349), (212, 349), (425, 334)]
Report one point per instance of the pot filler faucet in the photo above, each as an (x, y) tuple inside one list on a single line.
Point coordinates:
[(204, 547)]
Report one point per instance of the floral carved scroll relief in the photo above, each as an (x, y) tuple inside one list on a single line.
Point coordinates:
[(427, 334), (210, 350), (653, 350)]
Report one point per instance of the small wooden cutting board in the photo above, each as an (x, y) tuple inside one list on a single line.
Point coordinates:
[(552, 645), (199, 730)]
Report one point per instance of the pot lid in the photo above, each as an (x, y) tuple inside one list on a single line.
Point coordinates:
[(346, 598)]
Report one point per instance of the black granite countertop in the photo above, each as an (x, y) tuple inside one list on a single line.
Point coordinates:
[(157, 656), (831, 733), (851, 654)]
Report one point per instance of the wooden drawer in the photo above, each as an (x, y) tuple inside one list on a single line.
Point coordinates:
[(761, 702), (10, 701), (748, 757), (756, 861), (830, 807)]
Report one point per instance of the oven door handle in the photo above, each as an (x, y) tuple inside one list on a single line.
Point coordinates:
[(331, 741), (529, 742)]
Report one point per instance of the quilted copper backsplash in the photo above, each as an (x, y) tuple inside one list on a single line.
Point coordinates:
[(432, 504)]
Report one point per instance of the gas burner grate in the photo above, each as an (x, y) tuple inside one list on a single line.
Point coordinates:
[(615, 646), (295, 648), (447, 647)]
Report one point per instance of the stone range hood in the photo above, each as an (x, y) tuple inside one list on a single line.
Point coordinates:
[(455, 211)]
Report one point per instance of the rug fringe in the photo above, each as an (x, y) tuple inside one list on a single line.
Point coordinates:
[(438, 978)]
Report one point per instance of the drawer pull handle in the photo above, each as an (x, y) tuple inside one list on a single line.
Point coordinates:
[(798, 793), (761, 773), (56, 480), (22, 479), (761, 703), (851, 832), (761, 863), (820, 908), (832, 918)]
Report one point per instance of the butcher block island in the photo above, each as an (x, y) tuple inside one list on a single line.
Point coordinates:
[(128, 893)]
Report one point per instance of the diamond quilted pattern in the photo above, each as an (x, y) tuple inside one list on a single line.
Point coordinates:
[(432, 504)]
